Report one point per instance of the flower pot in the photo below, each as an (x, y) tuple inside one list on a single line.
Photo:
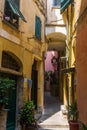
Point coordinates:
[(25, 127), (31, 128), (73, 125), (3, 119)]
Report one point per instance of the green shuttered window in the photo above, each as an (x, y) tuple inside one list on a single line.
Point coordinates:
[(64, 4), (38, 28), (15, 9), (12, 13)]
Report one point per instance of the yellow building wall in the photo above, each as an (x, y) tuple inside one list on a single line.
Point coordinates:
[(70, 17), (22, 42), (77, 53)]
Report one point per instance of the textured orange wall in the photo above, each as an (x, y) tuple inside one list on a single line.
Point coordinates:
[(81, 68), (83, 5)]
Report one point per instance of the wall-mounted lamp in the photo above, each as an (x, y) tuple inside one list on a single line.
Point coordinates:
[(29, 83)]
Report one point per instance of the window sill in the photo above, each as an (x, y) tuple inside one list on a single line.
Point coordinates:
[(10, 25)]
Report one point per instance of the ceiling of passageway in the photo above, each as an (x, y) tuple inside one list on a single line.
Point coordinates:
[(56, 41)]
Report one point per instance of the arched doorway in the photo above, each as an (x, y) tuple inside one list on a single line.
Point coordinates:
[(11, 69)]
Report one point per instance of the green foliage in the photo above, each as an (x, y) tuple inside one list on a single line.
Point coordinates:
[(73, 112), (27, 112), (5, 85), (84, 126)]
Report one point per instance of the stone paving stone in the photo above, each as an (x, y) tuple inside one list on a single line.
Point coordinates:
[(52, 118)]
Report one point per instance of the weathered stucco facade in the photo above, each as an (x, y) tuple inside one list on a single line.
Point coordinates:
[(21, 45), (77, 54), (81, 61)]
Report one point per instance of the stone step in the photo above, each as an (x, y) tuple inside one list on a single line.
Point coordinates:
[(53, 126)]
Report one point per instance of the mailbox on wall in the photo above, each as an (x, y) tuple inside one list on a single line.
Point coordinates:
[(29, 81)]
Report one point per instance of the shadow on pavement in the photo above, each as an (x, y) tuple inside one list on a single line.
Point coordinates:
[(51, 106)]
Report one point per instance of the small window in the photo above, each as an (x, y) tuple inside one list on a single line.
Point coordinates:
[(38, 28), (12, 12), (9, 15), (56, 3)]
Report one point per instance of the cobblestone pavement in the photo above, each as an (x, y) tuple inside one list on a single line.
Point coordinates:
[(52, 118)]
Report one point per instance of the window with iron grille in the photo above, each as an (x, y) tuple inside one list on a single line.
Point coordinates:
[(9, 62)]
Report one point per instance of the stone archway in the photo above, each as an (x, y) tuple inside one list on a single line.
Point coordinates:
[(56, 42), (12, 68)]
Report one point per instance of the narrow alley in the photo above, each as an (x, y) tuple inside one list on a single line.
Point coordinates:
[(52, 117), (43, 64)]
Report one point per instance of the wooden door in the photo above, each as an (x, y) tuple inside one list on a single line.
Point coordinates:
[(11, 114), (34, 87)]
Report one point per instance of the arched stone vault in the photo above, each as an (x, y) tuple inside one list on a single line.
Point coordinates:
[(56, 41)]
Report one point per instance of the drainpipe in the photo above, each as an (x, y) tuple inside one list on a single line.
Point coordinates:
[(67, 55), (68, 52)]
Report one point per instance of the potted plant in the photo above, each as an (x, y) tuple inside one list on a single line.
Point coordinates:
[(27, 119), (73, 116)]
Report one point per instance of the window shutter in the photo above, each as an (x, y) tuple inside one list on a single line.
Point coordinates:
[(64, 4), (15, 9), (17, 2), (38, 28)]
